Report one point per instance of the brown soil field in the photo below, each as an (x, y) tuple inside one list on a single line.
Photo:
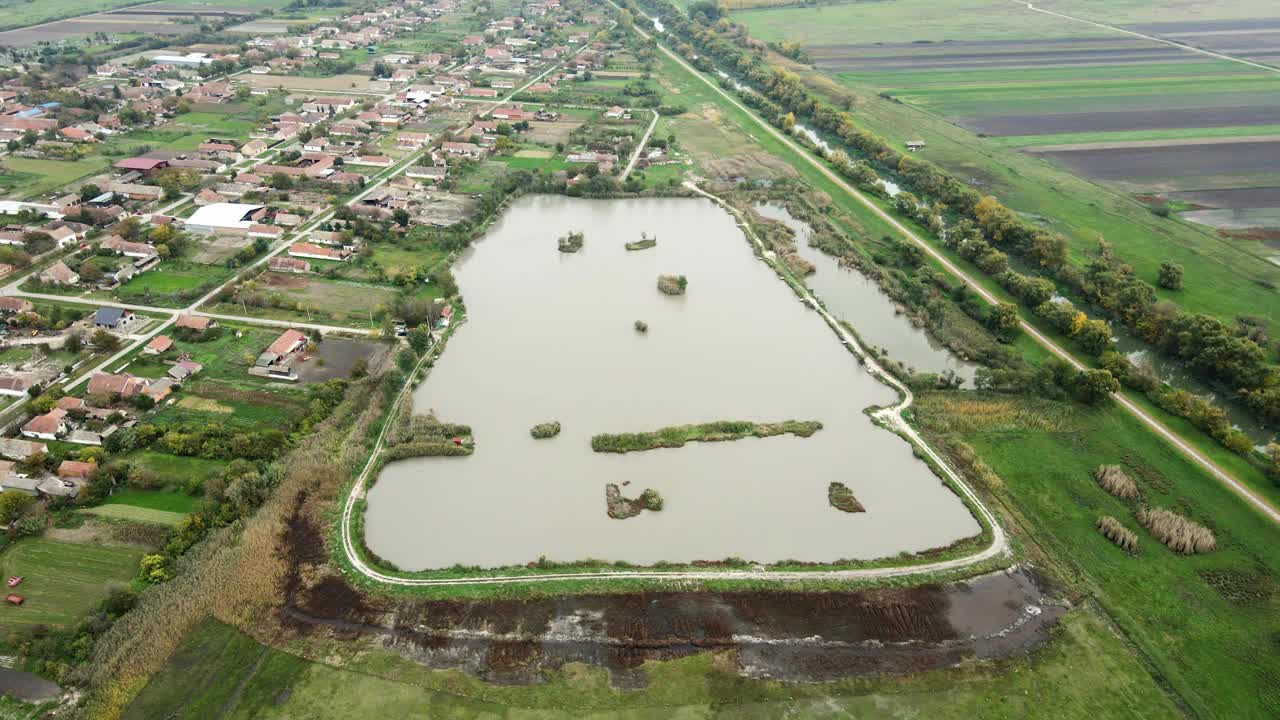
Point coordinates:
[(1231, 199), (1119, 120), (802, 636), (1152, 163), (153, 19), (831, 59), (1183, 27), (337, 83)]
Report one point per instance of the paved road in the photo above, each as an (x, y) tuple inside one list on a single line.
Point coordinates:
[(1143, 416)]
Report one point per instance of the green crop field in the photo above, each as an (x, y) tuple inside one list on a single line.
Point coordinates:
[(1206, 621), (171, 283), (63, 581), (1084, 674), (175, 468), (32, 177)]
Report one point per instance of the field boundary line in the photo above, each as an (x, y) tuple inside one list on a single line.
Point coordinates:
[(1152, 38)]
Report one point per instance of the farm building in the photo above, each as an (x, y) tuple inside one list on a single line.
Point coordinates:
[(275, 361), (231, 218), (113, 318)]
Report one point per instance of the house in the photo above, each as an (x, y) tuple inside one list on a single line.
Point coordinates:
[(9, 304), (275, 361), (427, 173), (13, 482), (480, 92), (184, 369), (144, 165), (159, 344), (47, 426), (292, 265), (59, 274), (914, 145), (461, 148), (113, 318), (199, 323), (159, 389), (124, 385), (15, 385), (70, 403), (412, 140), (77, 469), (21, 450), (270, 232), (308, 250), (118, 244), (614, 112)]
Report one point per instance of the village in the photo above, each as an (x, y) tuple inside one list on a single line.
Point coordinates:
[(200, 244)]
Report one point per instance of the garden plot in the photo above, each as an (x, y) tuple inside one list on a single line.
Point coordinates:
[(337, 83), (218, 249)]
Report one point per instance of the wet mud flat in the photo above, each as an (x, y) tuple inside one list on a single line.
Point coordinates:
[(791, 636)]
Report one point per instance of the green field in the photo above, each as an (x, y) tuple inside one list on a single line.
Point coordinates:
[(1086, 673), (172, 283), (37, 177), (178, 468), (1134, 135), (134, 513), (63, 581), (1207, 622)]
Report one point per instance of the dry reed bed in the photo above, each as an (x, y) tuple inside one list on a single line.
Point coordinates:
[(1114, 480), (1116, 532), (1177, 532)]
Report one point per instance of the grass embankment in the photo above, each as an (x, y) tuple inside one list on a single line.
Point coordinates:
[(1086, 672), (677, 435), (1206, 622)]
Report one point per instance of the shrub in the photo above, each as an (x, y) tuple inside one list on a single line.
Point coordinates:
[(1113, 479), (841, 498), (642, 326), (1178, 533), (545, 430), (1123, 537)]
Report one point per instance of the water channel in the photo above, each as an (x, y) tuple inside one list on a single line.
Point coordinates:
[(550, 337), (857, 299)]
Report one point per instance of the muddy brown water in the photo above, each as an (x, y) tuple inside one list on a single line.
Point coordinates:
[(550, 337), (786, 636), (857, 300)]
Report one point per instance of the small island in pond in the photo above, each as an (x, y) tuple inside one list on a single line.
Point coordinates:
[(542, 431), (642, 326), (572, 242), (621, 508), (677, 435), (841, 498), (672, 284), (644, 243)]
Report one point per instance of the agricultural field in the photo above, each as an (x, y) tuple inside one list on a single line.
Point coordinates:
[(110, 17), (1023, 114), (312, 298), (63, 580)]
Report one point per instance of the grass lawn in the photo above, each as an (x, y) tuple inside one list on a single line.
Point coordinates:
[(1207, 622), (63, 580), (1084, 674), (43, 176), (172, 283), (134, 513), (165, 500), (176, 467), (318, 299)]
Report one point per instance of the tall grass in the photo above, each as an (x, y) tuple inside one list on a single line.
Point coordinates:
[(1113, 479), (677, 435), (1179, 533), (1117, 533)]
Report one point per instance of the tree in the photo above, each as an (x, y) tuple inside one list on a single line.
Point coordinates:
[(1003, 320), (1170, 275), (1094, 336), (13, 504), (1273, 458), (1095, 386), (89, 191), (74, 343), (105, 342), (90, 271), (420, 339)]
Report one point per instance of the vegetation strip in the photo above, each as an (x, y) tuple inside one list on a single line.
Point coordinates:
[(677, 435)]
